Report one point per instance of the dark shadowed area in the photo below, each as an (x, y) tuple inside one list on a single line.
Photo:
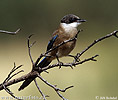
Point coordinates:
[(91, 80)]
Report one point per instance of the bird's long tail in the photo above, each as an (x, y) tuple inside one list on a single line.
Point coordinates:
[(26, 83), (45, 62)]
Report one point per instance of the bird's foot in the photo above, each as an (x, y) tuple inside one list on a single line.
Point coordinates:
[(60, 64), (76, 58)]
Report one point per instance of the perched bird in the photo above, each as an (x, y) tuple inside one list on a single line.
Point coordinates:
[(67, 30)]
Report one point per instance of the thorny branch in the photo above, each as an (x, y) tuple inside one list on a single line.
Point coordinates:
[(7, 82), (11, 33)]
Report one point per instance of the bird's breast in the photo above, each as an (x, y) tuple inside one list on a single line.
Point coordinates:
[(63, 35), (65, 49)]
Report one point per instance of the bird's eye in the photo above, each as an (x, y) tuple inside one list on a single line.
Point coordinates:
[(73, 20)]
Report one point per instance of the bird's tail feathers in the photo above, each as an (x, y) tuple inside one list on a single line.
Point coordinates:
[(45, 62), (26, 83)]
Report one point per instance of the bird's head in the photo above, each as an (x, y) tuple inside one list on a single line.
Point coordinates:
[(72, 20)]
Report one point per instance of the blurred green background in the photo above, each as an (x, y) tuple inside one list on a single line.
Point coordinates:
[(42, 17)]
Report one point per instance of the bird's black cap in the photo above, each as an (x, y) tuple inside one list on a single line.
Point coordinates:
[(70, 18)]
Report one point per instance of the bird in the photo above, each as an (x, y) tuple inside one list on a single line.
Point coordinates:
[(67, 30)]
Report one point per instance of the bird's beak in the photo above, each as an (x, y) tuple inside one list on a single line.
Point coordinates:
[(81, 20)]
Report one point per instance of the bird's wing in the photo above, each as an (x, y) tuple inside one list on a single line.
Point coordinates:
[(51, 42)]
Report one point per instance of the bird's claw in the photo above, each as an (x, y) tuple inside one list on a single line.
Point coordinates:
[(60, 64), (76, 59)]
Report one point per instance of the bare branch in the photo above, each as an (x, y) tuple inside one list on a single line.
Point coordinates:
[(14, 69), (114, 33), (29, 47), (70, 64), (8, 78), (64, 42), (9, 92), (44, 97), (55, 88), (15, 74), (19, 79), (11, 33), (38, 70)]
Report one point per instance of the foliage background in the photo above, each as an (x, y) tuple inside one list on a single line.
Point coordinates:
[(41, 17)]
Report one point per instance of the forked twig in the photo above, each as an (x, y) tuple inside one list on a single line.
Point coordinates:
[(11, 33), (55, 88), (114, 33), (29, 48), (9, 92), (64, 42), (71, 64), (8, 79), (44, 97), (37, 73), (14, 69)]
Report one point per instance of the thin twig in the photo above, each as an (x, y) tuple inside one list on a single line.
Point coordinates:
[(64, 42), (55, 88), (8, 78), (9, 92), (11, 33), (15, 74), (19, 79), (7, 81), (14, 69), (114, 33), (70, 64), (52, 49), (44, 97), (29, 47)]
